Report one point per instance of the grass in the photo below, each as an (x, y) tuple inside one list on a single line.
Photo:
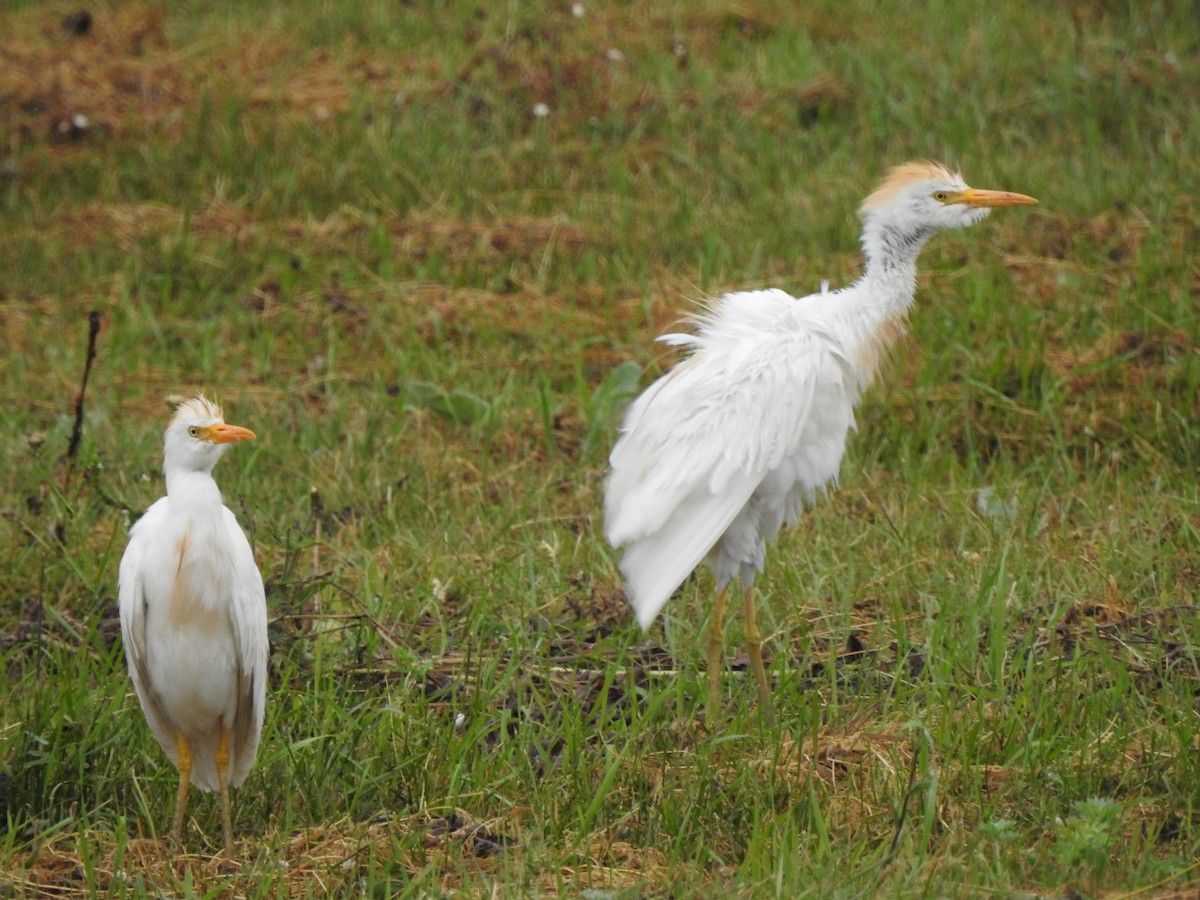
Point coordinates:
[(349, 223)]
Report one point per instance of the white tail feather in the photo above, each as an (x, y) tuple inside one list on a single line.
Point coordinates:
[(655, 565)]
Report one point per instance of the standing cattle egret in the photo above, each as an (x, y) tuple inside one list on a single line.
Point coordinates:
[(720, 452), (194, 616)]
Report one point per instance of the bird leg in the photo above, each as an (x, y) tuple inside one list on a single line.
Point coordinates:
[(754, 653), (714, 641), (185, 778), (222, 762)]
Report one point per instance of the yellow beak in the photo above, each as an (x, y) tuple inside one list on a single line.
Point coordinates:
[(227, 434), (976, 197)]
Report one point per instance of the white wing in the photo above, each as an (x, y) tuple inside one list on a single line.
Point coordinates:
[(248, 612), (699, 441), (132, 602)]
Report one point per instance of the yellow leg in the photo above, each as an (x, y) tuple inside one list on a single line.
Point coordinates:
[(714, 642), (222, 763), (185, 777), (754, 652)]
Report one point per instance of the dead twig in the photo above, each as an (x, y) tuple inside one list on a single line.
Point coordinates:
[(77, 428)]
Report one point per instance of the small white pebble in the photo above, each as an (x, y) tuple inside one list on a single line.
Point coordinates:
[(577, 10), (460, 723), (541, 110), (80, 121), (614, 54)]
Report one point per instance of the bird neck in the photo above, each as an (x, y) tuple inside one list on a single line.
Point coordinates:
[(891, 249), (193, 490), (889, 279), (880, 299)]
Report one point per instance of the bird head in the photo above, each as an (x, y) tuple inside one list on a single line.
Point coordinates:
[(918, 198), (198, 435)]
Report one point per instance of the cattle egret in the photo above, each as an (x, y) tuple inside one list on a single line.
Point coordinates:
[(724, 449), (194, 616)]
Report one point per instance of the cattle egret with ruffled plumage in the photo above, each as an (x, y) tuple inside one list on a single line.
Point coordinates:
[(726, 448)]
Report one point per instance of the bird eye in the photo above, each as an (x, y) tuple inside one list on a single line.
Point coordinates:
[(194, 431), (941, 196)]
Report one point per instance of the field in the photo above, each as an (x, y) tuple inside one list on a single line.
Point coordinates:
[(423, 250)]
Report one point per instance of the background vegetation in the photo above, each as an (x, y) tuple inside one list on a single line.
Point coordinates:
[(423, 250)]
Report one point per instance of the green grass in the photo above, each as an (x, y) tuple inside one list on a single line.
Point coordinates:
[(346, 221)]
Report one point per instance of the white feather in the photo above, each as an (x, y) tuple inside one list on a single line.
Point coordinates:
[(733, 412), (193, 610), (722, 451)]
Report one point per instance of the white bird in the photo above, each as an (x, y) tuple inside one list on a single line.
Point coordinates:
[(194, 616), (724, 449)]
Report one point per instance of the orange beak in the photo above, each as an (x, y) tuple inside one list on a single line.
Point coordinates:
[(227, 434), (976, 197)]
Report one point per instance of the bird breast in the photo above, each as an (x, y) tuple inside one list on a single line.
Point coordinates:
[(191, 648), (872, 350)]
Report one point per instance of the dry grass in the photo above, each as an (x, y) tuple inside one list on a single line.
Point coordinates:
[(127, 77), (120, 75), (415, 236), (328, 860)]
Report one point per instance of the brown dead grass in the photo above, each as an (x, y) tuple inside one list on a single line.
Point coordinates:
[(125, 75), (330, 860), (455, 852), (1140, 356), (1189, 891), (416, 236), (1099, 250), (327, 82), (863, 765), (121, 71)]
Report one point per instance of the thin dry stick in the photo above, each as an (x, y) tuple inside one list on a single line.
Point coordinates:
[(77, 428)]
